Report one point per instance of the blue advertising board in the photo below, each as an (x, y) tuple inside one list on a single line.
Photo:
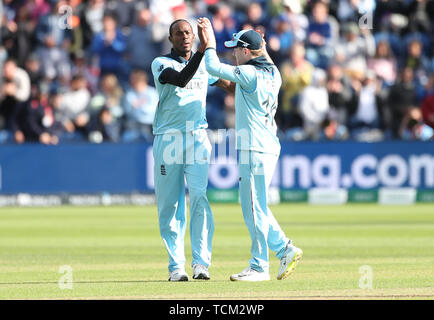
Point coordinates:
[(81, 168), (126, 168), (349, 165)]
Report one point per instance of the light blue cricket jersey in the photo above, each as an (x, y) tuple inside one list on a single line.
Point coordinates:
[(178, 105), (256, 93)]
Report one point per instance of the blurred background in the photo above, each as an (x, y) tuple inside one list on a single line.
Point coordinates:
[(355, 116)]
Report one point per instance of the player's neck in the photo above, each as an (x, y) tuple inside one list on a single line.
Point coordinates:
[(185, 55)]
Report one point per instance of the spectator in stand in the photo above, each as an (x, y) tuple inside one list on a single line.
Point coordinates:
[(319, 41), (331, 130), (162, 17), (347, 10), (8, 31), (141, 49), (53, 43), (140, 103), (37, 8), (415, 57), (298, 22), (126, 11), (296, 75), (366, 121), (72, 17), (314, 105), (74, 108), (104, 127), (255, 17), (402, 96), (421, 15), (164, 13), (352, 10), (223, 24), (280, 39), (339, 93), (427, 106), (90, 72), (383, 63), (419, 63), (10, 8), (109, 97), (413, 127), (91, 14), (15, 92), (334, 26), (42, 125), (383, 11), (22, 36), (355, 47), (36, 76), (109, 47)]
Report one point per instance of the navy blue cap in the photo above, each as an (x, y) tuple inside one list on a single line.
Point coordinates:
[(249, 39)]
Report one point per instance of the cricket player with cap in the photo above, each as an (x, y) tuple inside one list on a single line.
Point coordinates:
[(182, 151), (257, 82)]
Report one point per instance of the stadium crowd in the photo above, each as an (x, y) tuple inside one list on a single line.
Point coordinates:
[(351, 69)]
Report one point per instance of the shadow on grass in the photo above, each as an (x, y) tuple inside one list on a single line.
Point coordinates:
[(100, 281)]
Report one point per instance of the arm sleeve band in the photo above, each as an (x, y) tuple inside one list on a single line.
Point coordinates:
[(180, 79)]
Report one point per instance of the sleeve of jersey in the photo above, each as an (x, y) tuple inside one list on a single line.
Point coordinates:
[(212, 80), (158, 66), (180, 79), (243, 75)]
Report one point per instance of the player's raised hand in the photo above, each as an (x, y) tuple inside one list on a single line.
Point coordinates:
[(202, 36), (207, 31), (264, 45)]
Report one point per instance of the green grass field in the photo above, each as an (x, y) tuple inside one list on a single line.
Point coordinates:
[(117, 253)]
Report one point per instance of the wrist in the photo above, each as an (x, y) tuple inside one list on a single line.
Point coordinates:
[(211, 45)]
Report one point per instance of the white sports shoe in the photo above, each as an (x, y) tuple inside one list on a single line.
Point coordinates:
[(200, 272), (289, 261), (178, 275), (249, 274)]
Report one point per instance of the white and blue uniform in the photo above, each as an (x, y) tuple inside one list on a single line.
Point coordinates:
[(182, 151), (257, 87)]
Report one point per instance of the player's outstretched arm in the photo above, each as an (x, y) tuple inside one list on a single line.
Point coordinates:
[(181, 78), (221, 70), (226, 85), (223, 84)]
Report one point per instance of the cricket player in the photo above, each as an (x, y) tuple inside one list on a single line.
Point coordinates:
[(257, 82), (182, 151)]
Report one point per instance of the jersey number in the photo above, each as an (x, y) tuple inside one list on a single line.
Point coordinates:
[(270, 107)]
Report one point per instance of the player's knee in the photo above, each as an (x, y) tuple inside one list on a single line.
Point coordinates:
[(199, 199), (197, 193)]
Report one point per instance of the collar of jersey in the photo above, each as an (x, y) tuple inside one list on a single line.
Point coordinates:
[(261, 63), (174, 56)]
